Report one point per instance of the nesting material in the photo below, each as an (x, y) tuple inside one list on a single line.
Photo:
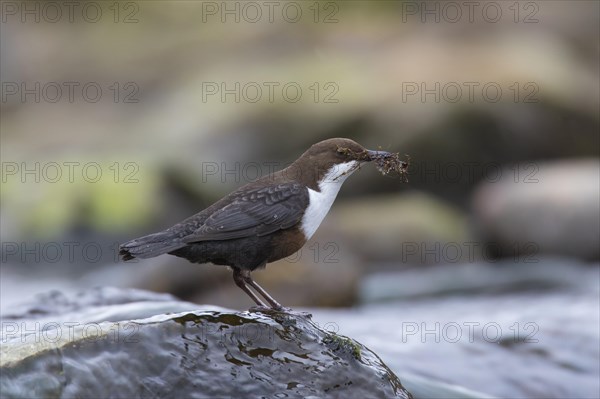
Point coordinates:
[(391, 163), (387, 163)]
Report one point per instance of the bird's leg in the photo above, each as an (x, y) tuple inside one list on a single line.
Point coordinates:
[(248, 280), (240, 280)]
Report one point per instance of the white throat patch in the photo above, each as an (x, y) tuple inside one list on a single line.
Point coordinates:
[(321, 201)]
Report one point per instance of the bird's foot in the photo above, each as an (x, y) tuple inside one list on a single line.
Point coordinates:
[(259, 309), (278, 307), (282, 309), (308, 315), (266, 309)]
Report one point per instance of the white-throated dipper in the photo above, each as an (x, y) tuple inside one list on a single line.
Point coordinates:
[(263, 221)]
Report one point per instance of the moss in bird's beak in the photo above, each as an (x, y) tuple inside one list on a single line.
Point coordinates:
[(386, 162)]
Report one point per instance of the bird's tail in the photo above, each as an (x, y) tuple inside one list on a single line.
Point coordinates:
[(150, 246)]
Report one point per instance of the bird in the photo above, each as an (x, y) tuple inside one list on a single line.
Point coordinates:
[(263, 221)]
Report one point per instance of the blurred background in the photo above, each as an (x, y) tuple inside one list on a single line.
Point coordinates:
[(121, 119)]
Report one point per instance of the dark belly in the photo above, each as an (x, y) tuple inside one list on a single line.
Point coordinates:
[(244, 253)]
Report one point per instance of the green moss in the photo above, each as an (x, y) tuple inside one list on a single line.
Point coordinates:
[(345, 345)]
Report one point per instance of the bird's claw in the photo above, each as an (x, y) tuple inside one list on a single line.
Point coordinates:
[(266, 309)]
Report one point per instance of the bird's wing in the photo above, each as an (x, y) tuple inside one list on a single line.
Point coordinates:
[(255, 213)]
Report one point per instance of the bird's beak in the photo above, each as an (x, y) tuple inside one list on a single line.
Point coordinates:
[(372, 155)]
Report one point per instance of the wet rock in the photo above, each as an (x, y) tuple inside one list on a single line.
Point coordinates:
[(100, 349), (547, 208)]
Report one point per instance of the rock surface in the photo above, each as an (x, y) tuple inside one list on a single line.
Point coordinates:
[(95, 345)]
